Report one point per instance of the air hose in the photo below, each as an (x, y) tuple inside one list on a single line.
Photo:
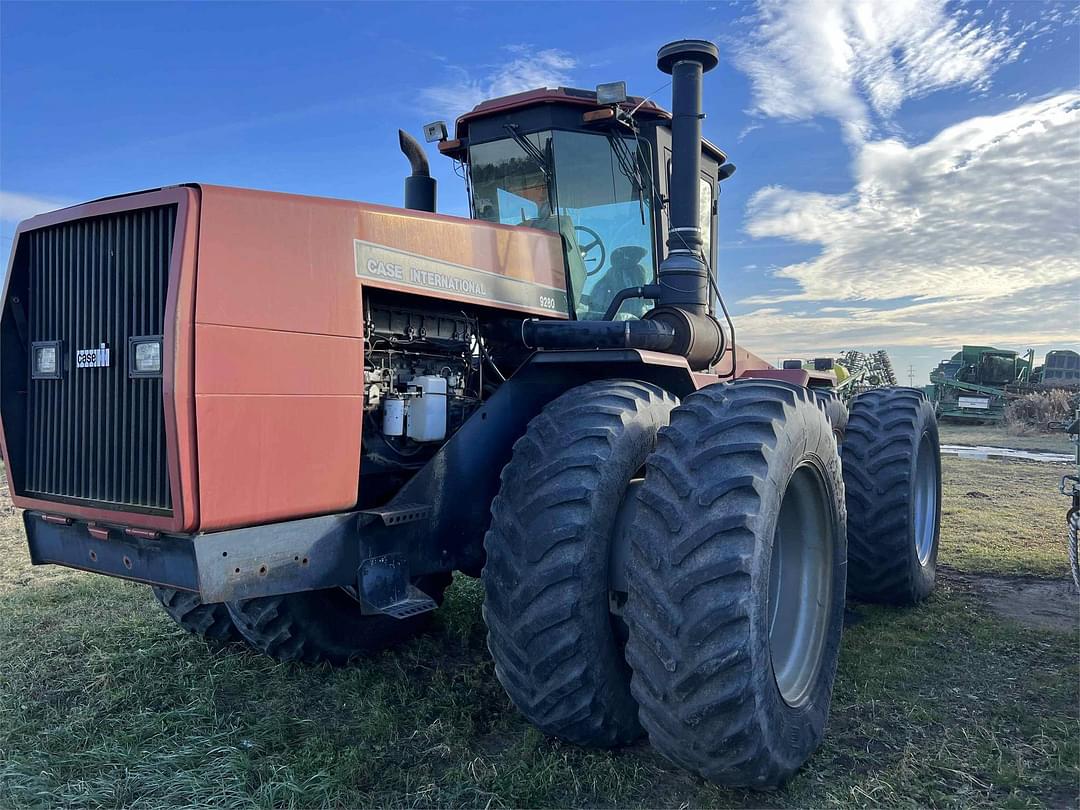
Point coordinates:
[(1074, 529)]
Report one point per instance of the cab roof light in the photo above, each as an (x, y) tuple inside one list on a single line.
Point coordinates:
[(611, 93)]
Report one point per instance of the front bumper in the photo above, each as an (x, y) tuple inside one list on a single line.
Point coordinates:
[(299, 555)]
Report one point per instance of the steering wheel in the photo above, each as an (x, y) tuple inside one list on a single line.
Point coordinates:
[(590, 248)]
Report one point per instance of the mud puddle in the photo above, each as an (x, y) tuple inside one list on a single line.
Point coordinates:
[(1043, 604), (982, 453)]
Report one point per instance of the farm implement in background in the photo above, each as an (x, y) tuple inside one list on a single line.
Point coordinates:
[(854, 372), (865, 371), (978, 382)]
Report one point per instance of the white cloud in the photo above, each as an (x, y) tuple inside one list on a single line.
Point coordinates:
[(988, 207), (525, 68), (971, 236), (858, 61), (15, 207)]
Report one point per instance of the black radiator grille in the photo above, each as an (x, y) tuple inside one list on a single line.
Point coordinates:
[(96, 436)]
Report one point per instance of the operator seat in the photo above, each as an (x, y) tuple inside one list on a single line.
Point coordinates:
[(625, 271)]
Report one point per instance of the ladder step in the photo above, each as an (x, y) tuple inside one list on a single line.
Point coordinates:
[(417, 602)]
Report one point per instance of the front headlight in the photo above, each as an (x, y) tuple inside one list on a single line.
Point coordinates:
[(145, 356), (46, 357)]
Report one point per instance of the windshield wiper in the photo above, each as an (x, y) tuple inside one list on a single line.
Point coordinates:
[(531, 151), (630, 165), (627, 163)]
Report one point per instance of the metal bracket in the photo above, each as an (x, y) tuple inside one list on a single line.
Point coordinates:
[(396, 515), (384, 587)]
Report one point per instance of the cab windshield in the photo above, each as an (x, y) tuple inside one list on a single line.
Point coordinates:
[(591, 189)]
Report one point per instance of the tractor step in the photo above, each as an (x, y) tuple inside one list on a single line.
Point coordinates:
[(415, 603), (384, 587)]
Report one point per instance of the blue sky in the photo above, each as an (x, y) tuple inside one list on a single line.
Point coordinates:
[(909, 172)]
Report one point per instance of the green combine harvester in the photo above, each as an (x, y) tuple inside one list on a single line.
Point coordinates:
[(977, 382), (974, 384)]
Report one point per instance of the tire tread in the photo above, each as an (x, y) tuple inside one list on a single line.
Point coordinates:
[(210, 621), (885, 427), (538, 605)]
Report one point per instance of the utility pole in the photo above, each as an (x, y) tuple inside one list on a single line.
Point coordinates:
[(911, 375)]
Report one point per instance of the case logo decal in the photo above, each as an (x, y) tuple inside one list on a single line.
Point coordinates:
[(93, 358), (393, 267)]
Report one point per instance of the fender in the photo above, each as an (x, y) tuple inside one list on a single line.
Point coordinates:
[(462, 479)]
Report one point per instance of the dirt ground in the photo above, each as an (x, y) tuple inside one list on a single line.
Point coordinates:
[(1035, 602)]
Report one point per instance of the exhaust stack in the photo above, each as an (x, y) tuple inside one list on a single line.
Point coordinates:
[(420, 185)]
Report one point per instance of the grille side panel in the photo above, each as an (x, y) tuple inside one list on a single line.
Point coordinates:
[(96, 437)]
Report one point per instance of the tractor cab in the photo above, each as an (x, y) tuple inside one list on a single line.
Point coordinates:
[(595, 173)]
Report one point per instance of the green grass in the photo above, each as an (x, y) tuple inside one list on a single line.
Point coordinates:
[(999, 436), (103, 702), (1003, 517)]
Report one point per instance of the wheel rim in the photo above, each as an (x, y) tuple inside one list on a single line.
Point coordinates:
[(800, 584), (926, 495)]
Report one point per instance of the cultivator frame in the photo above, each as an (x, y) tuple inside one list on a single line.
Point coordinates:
[(865, 371)]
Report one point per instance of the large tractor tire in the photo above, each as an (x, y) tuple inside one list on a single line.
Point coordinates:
[(209, 621), (557, 647), (892, 472), (737, 577), (325, 625)]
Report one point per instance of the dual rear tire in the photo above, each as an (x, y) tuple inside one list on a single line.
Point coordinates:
[(557, 647), (726, 646), (892, 471), (723, 645)]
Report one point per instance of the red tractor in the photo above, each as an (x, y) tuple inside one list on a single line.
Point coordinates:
[(297, 417)]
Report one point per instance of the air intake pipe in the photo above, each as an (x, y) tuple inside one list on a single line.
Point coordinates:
[(654, 336), (420, 185), (683, 300), (680, 322)]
